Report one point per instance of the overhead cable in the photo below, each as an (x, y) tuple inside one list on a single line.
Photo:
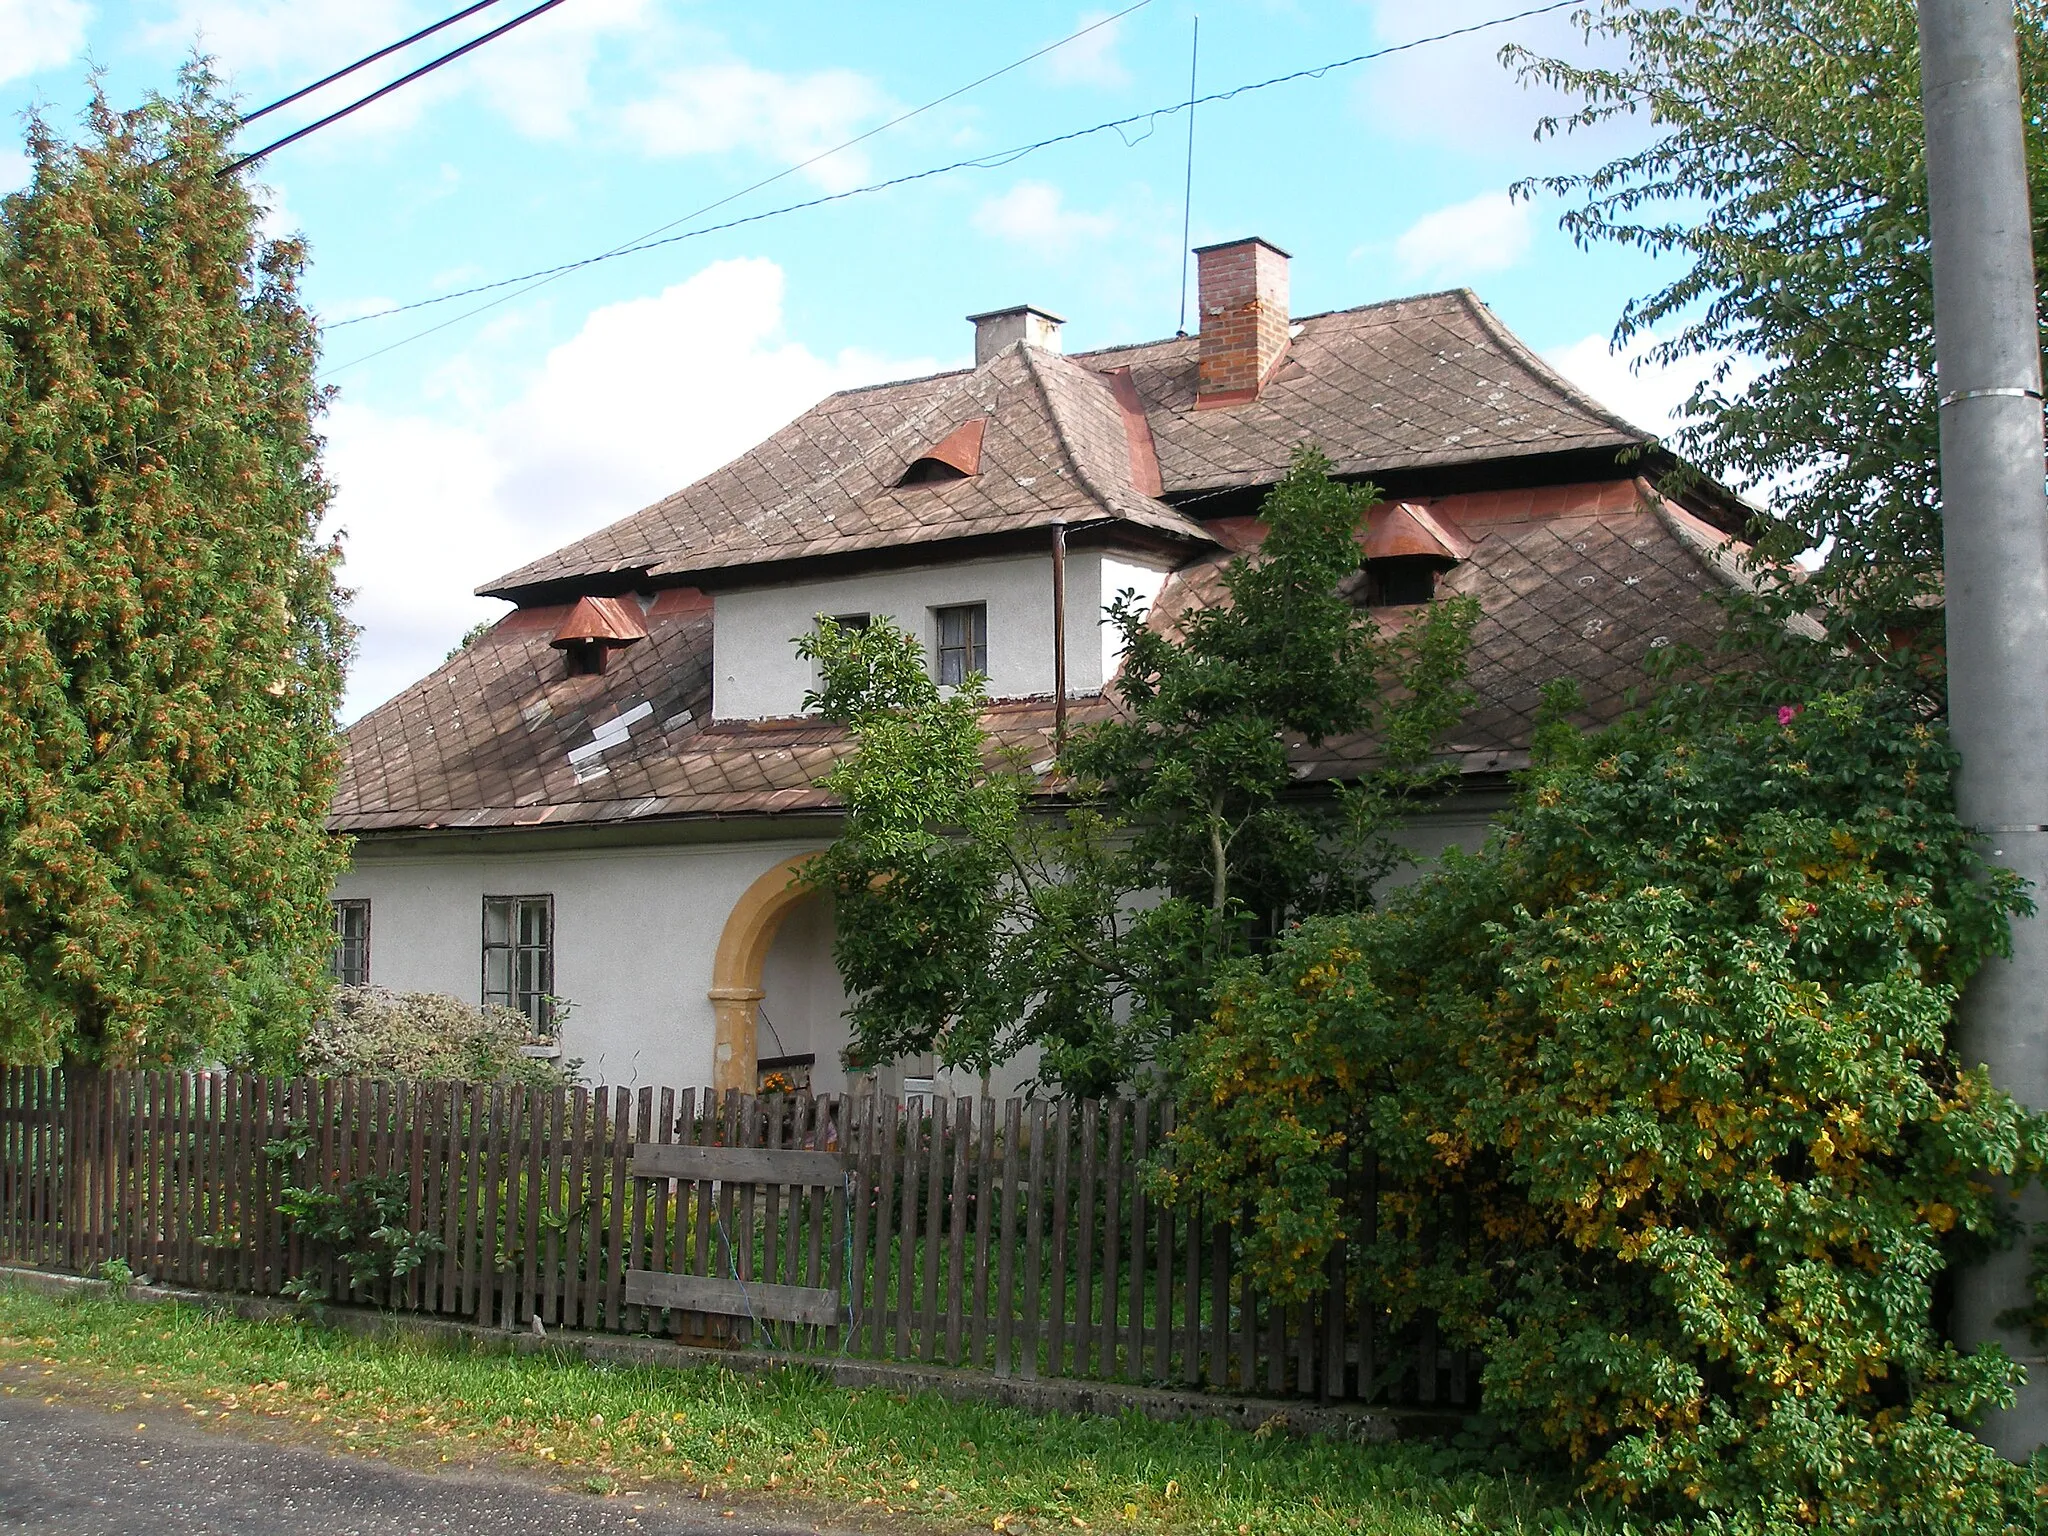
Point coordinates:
[(639, 241), (382, 91), (368, 58), (992, 161)]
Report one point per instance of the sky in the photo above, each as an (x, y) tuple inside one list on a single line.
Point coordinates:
[(473, 434)]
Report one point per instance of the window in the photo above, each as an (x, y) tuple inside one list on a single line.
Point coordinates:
[(1400, 580), (852, 621), (963, 642), (519, 957), (352, 943)]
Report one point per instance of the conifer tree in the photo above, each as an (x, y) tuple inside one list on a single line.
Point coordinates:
[(171, 643)]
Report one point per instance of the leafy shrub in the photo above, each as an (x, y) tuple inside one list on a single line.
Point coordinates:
[(1678, 1036), (364, 1226), (372, 1031)]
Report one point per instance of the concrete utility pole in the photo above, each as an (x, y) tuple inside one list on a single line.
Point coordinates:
[(1995, 547)]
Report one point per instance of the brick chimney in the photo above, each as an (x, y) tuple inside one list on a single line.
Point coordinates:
[(1242, 288)]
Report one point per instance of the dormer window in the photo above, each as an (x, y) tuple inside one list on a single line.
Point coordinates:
[(1406, 549), (930, 471), (1398, 582), (963, 643), (595, 628), (956, 456)]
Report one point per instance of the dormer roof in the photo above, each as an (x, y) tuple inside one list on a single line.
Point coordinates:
[(605, 620), (1407, 529)]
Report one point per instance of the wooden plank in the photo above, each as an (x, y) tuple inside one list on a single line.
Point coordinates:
[(1162, 1293), (1006, 1253), (25, 1079), (1134, 1338), (1034, 1234), (640, 1191), (692, 1119), (12, 1082), (934, 1216), (736, 1164), (1084, 1267), (831, 1211), (190, 1102), (1062, 1167), (1219, 1302), (751, 1135), (774, 1109), (860, 1126), (956, 1227), (576, 1219), (756, 1301), (906, 1242), (664, 1194), (263, 1201), (471, 1107), (1191, 1301), (886, 1189), (984, 1219), (620, 1196), (1112, 1241), (817, 1133), (719, 1205)]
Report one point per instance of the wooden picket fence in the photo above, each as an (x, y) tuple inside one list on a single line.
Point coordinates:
[(1020, 1239)]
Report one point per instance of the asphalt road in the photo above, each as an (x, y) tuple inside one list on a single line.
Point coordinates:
[(85, 1472)]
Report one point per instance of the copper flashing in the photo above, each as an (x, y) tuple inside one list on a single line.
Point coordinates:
[(1407, 529), (959, 449), (605, 620), (1137, 431)]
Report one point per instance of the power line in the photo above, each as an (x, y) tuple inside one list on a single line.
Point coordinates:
[(637, 242), (382, 91), (368, 58), (993, 161)]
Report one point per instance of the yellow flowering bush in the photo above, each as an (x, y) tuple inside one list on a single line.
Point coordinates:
[(1677, 1042)]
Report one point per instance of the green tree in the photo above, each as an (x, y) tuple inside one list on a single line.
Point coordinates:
[(1674, 1048), (1784, 167), (171, 648), (1174, 836)]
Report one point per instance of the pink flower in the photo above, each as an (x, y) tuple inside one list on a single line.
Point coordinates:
[(1787, 713)]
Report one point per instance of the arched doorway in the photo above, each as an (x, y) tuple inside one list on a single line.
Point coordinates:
[(736, 990)]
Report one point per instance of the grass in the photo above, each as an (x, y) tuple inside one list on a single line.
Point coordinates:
[(787, 1437)]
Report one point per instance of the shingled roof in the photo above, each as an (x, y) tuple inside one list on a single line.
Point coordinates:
[(1580, 581), (1110, 436)]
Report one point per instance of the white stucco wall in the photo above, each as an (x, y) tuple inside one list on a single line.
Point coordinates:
[(636, 930), (756, 673)]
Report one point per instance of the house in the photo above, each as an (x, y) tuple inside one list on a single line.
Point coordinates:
[(602, 799)]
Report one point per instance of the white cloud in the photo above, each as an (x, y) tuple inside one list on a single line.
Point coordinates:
[(716, 108), (1457, 92), (649, 395), (1034, 214), (1487, 233), (1090, 60), (1633, 384), (39, 34)]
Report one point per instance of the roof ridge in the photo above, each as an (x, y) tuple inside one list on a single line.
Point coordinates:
[(1319, 314), (1060, 433), (1533, 363)]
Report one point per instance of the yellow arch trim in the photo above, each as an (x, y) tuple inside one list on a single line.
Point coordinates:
[(750, 930)]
